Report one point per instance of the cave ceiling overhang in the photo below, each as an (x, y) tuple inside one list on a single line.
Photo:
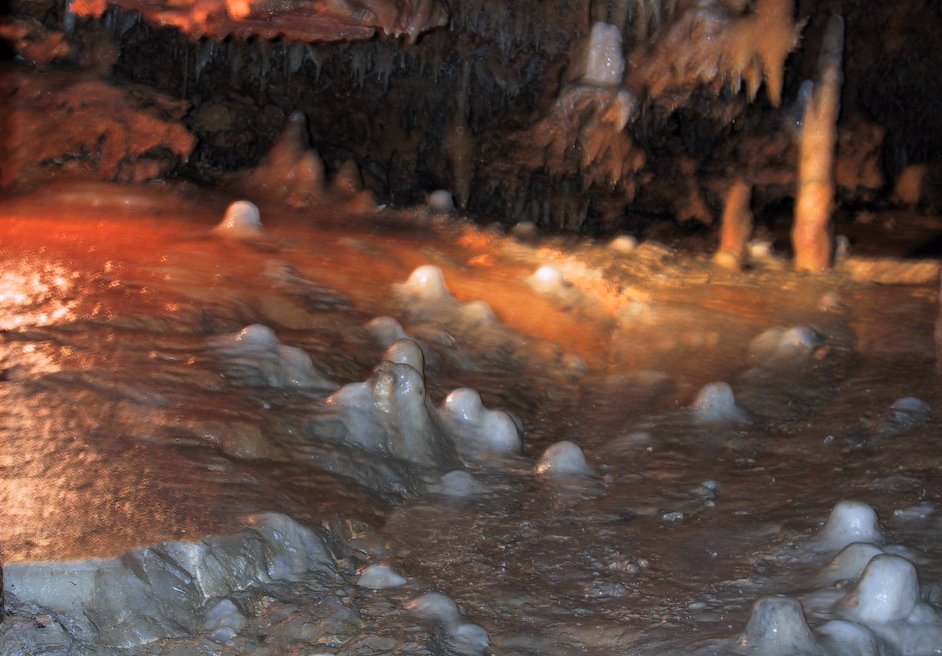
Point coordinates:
[(292, 20)]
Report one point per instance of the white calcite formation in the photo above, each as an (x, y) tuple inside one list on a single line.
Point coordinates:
[(173, 588), (425, 296), (778, 627), (849, 522), (888, 591), (477, 313), (910, 411), (459, 484), (385, 330), (716, 404), (843, 638), (223, 621), (254, 357), (435, 606), (850, 562), (390, 412), (623, 244), (380, 577), (887, 601), (779, 343), (525, 230), (427, 283), (548, 280), (463, 637), (760, 250), (476, 427), (440, 201), (563, 459), (406, 351), (884, 611), (603, 62), (241, 221), (441, 320)]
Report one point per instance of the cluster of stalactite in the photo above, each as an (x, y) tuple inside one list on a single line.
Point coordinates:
[(488, 102)]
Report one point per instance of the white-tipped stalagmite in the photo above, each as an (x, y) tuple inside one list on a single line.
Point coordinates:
[(850, 521), (241, 221), (814, 203), (736, 228)]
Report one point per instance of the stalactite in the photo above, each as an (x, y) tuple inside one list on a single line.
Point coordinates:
[(110, 18), (206, 51), (618, 15), (125, 21), (186, 68), (643, 16), (314, 55), (706, 46), (295, 58), (815, 199), (68, 18), (384, 65)]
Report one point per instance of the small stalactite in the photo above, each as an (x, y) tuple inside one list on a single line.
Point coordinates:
[(811, 235)]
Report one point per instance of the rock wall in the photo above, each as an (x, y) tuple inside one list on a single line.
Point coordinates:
[(483, 98)]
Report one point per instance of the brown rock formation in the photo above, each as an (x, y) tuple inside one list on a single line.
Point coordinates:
[(295, 20), (69, 123)]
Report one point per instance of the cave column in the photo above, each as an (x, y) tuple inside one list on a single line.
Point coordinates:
[(814, 204), (736, 226)]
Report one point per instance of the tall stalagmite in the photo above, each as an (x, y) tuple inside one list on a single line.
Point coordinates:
[(814, 203), (736, 226)]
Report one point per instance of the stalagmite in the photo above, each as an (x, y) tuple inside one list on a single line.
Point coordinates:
[(241, 221), (459, 144), (736, 228), (347, 181), (290, 170), (811, 237), (778, 627), (938, 334)]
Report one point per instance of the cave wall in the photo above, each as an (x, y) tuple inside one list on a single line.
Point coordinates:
[(463, 104)]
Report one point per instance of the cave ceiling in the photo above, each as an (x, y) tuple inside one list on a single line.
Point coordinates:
[(293, 20), (526, 110)]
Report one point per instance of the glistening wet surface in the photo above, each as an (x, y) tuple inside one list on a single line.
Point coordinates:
[(129, 420)]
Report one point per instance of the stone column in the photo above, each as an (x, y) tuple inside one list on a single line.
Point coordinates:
[(736, 228), (811, 237)]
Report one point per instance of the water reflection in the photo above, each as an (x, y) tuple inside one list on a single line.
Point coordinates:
[(34, 293)]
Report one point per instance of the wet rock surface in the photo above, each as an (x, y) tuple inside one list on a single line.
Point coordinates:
[(147, 427)]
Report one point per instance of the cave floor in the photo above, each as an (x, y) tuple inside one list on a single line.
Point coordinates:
[(120, 430)]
